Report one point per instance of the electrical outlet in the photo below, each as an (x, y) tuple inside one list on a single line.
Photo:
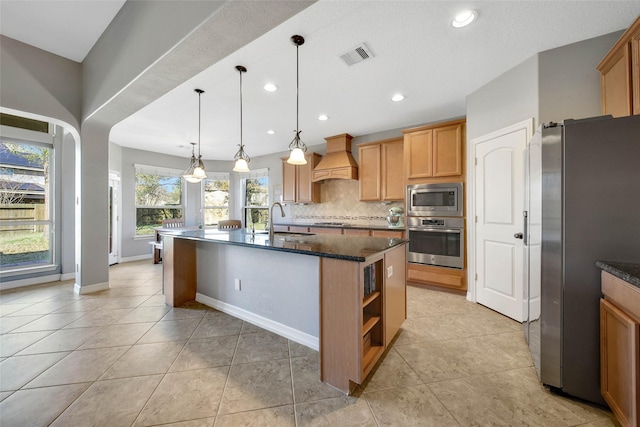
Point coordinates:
[(237, 284), (390, 271)]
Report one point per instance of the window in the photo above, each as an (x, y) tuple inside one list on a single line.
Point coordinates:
[(26, 207), (215, 198), (255, 188), (158, 197)]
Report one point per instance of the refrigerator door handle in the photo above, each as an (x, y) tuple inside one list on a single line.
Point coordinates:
[(526, 227)]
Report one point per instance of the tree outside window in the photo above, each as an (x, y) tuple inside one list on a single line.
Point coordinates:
[(158, 197), (216, 199), (25, 220), (256, 202)]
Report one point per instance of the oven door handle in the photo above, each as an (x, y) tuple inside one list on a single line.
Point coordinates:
[(437, 230)]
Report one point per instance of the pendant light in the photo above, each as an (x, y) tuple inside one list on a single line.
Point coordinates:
[(195, 172), (241, 158), (296, 146)]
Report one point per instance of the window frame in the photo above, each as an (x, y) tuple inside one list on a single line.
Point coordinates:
[(254, 174), (162, 172), (43, 140), (214, 176)]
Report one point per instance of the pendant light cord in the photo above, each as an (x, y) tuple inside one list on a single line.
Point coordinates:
[(199, 119), (297, 93), (241, 145)]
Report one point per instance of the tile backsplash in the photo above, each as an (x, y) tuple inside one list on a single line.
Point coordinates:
[(340, 204)]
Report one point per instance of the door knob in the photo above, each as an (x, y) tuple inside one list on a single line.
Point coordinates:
[(518, 235)]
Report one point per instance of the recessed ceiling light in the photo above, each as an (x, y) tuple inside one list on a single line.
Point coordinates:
[(270, 87), (271, 132), (464, 18), (323, 117), (397, 97)]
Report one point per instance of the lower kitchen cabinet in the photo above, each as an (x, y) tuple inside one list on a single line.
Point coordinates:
[(451, 278), (620, 349), (325, 230), (363, 305)]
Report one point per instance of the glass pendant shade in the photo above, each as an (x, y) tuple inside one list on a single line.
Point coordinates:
[(195, 172), (241, 166), (297, 157)]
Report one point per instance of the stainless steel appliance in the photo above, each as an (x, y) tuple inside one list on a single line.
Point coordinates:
[(436, 241), (583, 205), (435, 199)]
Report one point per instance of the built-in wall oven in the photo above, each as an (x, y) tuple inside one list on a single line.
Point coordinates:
[(436, 241)]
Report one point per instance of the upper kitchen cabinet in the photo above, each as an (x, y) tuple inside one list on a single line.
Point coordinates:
[(380, 167), (434, 151), (620, 75), (297, 186)]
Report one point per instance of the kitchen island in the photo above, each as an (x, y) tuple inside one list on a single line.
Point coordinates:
[(342, 295)]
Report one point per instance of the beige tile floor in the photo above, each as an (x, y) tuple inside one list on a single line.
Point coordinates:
[(122, 358)]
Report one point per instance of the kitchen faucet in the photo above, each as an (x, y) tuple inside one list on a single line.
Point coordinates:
[(271, 216)]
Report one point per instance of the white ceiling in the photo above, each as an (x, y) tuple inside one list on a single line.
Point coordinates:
[(417, 53)]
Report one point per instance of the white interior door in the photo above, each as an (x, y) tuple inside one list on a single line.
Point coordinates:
[(499, 203), (114, 195)]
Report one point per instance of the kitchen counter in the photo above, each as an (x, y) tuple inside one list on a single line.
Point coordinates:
[(350, 248), (340, 225), (629, 272)]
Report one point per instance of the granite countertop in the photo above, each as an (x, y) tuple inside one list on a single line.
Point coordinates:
[(351, 248), (341, 225), (629, 272)]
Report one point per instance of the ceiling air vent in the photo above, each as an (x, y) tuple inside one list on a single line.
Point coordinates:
[(357, 54)]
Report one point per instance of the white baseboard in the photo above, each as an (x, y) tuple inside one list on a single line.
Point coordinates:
[(268, 324), (67, 276), (135, 258), (12, 284), (87, 289)]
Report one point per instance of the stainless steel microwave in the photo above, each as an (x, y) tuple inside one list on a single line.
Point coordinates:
[(443, 199)]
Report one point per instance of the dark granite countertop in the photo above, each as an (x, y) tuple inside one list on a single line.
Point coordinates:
[(340, 225), (352, 248), (629, 272)]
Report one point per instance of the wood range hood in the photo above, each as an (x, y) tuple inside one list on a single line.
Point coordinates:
[(338, 163)]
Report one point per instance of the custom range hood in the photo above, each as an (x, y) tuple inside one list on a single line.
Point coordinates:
[(338, 163)]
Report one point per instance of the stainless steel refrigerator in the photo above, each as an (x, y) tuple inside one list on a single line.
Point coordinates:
[(583, 205)]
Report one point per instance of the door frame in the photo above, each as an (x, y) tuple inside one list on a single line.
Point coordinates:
[(471, 196), (117, 229)]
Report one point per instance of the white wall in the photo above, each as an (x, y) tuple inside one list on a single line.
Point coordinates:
[(510, 98), (569, 84)]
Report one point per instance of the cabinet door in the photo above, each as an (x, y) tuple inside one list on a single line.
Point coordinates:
[(289, 183), (305, 190), (369, 170), (615, 81), (447, 151), (619, 363), (392, 179), (417, 154)]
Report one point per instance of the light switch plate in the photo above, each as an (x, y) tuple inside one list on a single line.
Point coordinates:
[(390, 271), (237, 284)]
